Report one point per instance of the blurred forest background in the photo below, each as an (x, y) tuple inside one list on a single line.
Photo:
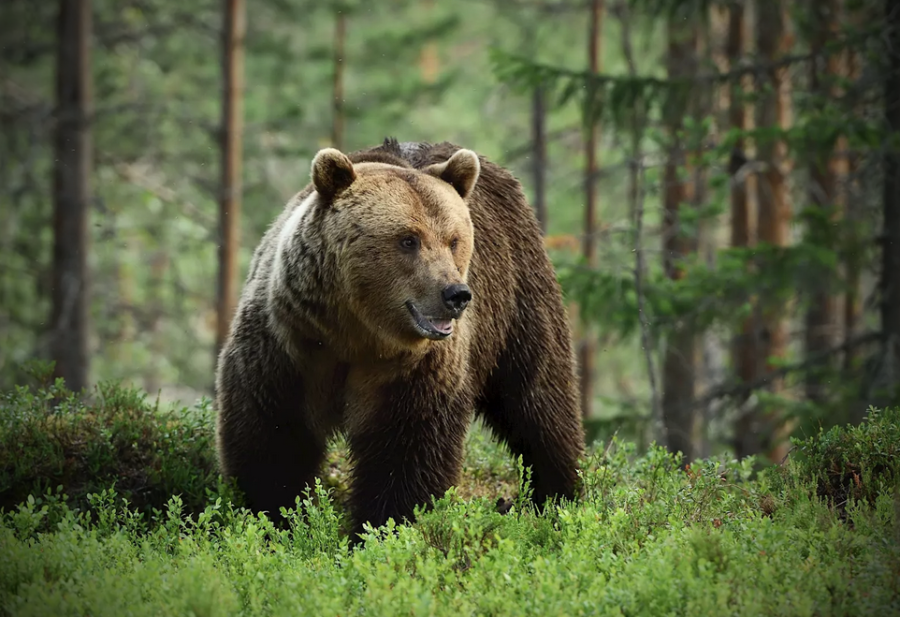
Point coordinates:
[(719, 184)]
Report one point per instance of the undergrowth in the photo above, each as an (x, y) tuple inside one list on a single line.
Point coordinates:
[(52, 439), (819, 535)]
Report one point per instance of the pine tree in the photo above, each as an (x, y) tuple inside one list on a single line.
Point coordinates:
[(587, 346), (821, 319), (743, 224), (72, 193), (231, 146), (774, 41), (762, 276), (890, 267), (679, 361)]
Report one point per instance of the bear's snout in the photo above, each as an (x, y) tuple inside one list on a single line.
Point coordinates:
[(456, 297)]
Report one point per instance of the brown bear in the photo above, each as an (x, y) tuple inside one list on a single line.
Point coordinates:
[(403, 291)]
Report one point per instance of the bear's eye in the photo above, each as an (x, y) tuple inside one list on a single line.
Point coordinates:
[(409, 243), (453, 244)]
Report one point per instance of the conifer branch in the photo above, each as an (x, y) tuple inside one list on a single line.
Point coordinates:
[(616, 96)]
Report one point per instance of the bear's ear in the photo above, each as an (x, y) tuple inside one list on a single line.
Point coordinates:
[(461, 170), (332, 172)]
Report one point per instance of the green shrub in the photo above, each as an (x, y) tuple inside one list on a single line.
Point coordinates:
[(854, 462), (646, 537), (51, 440)]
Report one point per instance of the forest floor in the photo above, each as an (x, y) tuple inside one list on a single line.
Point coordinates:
[(113, 506)]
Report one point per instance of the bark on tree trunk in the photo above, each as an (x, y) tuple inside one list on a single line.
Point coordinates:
[(72, 193), (679, 362), (231, 151), (773, 199), (590, 172), (158, 265), (743, 229), (853, 260), (587, 348), (821, 319), (125, 288), (890, 268), (696, 420), (712, 348), (746, 350)]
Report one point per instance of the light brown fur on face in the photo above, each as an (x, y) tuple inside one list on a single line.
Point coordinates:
[(324, 338), (381, 209), (354, 224)]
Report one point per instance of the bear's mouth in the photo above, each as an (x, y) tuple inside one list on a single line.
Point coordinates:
[(433, 328)]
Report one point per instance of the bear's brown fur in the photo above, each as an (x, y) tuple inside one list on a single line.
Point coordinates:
[(330, 336)]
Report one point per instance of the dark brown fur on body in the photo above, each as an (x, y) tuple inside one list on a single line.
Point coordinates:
[(316, 346)]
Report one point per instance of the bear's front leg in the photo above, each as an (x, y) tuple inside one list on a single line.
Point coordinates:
[(265, 437), (406, 441)]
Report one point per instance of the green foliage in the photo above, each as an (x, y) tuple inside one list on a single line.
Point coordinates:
[(853, 464), (646, 538), (670, 112), (56, 445), (705, 296), (602, 97), (157, 75), (52, 441)]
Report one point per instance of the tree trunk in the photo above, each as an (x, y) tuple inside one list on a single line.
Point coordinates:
[(231, 150), (702, 244), (679, 362), (853, 262), (773, 199), (337, 127), (697, 419), (539, 155), (587, 348), (72, 193), (890, 265), (159, 263), (593, 129), (821, 319), (125, 275), (712, 348), (743, 229)]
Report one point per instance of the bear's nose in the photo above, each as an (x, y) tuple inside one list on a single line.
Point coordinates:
[(456, 297)]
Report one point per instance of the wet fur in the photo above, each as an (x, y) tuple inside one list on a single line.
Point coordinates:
[(300, 365)]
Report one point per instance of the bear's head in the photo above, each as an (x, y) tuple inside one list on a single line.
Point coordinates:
[(403, 240)]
